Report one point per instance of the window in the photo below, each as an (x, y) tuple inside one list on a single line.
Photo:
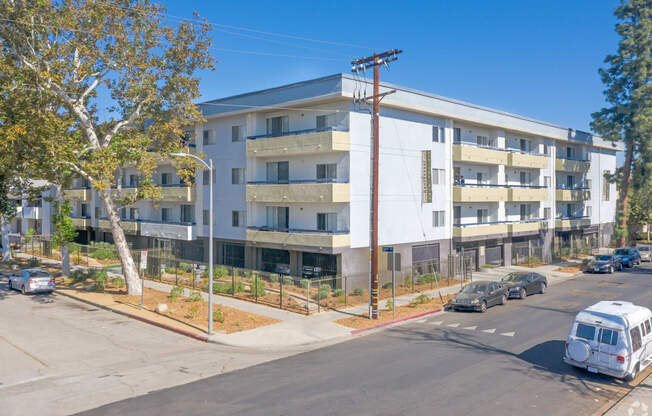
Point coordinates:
[(479, 177), (608, 336), (524, 178), (238, 218), (133, 180), (438, 134), (208, 137), (546, 181), (647, 327), (278, 172), (98, 212), (278, 125), (278, 217), (482, 140), (84, 210), (606, 185), (438, 177), (237, 176), (325, 121), (570, 153), (426, 180), (326, 171), (206, 217), (547, 213), (438, 219), (457, 214), (526, 211), (237, 133), (327, 221), (585, 331), (165, 214), (482, 216), (588, 211), (457, 134), (166, 179), (635, 333), (133, 214), (123, 213), (545, 149), (524, 145), (187, 212)]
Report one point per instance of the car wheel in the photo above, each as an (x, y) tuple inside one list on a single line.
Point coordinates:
[(542, 290), (22, 290), (611, 269), (522, 293), (503, 300), (483, 307), (620, 268), (632, 376), (629, 264)]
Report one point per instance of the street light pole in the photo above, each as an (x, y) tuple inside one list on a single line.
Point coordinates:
[(209, 166)]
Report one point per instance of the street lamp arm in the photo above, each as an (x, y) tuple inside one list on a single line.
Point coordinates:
[(192, 156)]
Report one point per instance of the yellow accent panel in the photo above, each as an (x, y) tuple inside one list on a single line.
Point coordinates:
[(124, 192), (479, 155), (81, 222), (527, 161), (299, 192), (129, 227), (572, 195), (566, 165), (178, 194), (528, 194), (299, 239), (524, 227), (77, 194), (574, 223), (479, 194), (479, 230), (299, 144)]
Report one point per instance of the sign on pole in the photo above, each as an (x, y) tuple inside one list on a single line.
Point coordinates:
[(388, 249), (143, 259)]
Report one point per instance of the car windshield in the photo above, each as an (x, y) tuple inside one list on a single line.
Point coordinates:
[(515, 277), (475, 288), (39, 273), (621, 251), (603, 258), (644, 249)]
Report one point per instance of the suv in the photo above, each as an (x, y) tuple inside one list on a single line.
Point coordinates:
[(628, 256), (646, 253)]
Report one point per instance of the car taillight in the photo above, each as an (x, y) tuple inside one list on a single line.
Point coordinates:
[(567, 345), (52, 281), (31, 282), (620, 359)]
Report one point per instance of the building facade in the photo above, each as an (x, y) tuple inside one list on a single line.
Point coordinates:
[(292, 190)]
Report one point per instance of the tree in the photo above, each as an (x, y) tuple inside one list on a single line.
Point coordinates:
[(64, 233), (629, 94), (90, 59)]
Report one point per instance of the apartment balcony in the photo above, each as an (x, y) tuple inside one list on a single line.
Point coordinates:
[(297, 237), (572, 223), (480, 193), (32, 213), (302, 142), (477, 154), (480, 229), (527, 160), (570, 165), (527, 227), (81, 222), (78, 194), (177, 193), (309, 191), (526, 193), (124, 191), (572, 195), (175, 230), (128, 226)]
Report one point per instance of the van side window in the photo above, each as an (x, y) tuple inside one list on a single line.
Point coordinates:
[(585, 331), (648, 329), (635, 333), (643, 330), (608, 336)]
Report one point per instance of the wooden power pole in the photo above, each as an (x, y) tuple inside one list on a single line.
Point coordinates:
[(361, 65)]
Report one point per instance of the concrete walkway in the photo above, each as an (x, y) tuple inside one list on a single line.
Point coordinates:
[(637, 403)]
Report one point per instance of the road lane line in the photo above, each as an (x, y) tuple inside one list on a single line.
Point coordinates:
[(23, 351), (436, 323), (471, 328), (508, 334), (453, 325), (489, 331)]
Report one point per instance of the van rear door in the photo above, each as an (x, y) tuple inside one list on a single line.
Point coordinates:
[(607, 347)]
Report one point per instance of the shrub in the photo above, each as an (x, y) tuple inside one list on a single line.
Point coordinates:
[(338, 292), (192, 311), (425, 278), (79, 276), (287, 280), (419, 300), (176, 292), (104, 254), (218, 316), (323, 292), (257, 287), (358, 291), (100, 280), (195, 297), (33, 262), (118, 282), (387, 285), (389, 305), (227, 288), (303, 283), (187, 268), (170, 270), (273, 278), (220, 272)]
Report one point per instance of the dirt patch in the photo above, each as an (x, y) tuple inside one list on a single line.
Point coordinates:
[(531, 265), (363, 321), (569, 269)]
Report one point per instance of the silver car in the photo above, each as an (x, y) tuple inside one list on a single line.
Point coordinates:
[(646, 253), (31, 281)]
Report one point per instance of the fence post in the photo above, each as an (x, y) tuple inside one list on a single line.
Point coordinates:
[(232, 281), (345, 291), (308, 298), (255, 285), (280, 298), (319, 297), (412, 279), (176, 274)]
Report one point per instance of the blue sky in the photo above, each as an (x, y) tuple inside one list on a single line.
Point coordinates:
[(537, 59)]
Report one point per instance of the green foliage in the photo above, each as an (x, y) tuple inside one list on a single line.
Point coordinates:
[(101, 278), (532, 260), (218, 316), (323, 292), (338, 292), (118, 282), (33, 262), (488, 266), (170, 270), (387, 285), (389, 305), (220, 272), (358, 291), (192, 312), (426, 278), (273, 278), (29, 235), (257, 287), (79, 276), (304, 283), (287, 280), (419, 300), (187, 268), (176, 292), (64, 231), (195, 297), (227, 287)]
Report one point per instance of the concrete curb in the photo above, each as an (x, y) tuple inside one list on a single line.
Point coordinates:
[(395, 321), (179, 331)]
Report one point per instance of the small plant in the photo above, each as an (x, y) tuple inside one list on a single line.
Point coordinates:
[(419, 300), (176, 292), (488, 266), (304, 283), (218, 316), (287, 280), (387, 285), (220, 272), (33, 262), (100, 280), (338, 292), (358, 291), (187, 268), (227, 288), (192, 312), (273, 278), (104, 254), (118, 282), (79, 276), (323, 292), (257, 287), (195, 297), (170, 270), (389, 305)]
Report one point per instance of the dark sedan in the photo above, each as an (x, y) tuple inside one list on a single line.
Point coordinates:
[(478, 296), (604, 263), (522, 284)]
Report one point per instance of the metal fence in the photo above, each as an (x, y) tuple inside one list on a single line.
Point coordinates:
[(95, 255), (575, 246), (524, 254)]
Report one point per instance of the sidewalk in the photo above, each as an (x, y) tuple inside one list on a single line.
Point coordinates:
[(637, 403)]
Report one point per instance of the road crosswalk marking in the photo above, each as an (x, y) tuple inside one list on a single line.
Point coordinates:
[(508, 334), (471, 328), (489, 331), (436, 323)]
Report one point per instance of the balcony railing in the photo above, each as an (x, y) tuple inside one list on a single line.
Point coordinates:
[(297, 181), (489, 185), (504, 149), (296, 132), (529, 220), (296, 230), (575, 159), (574, 187)]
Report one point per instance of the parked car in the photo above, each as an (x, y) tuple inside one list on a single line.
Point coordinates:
[(628, 256), (604, 263), (645, 252), (478, 296), (31, 281), (522, 284), (611, 337)]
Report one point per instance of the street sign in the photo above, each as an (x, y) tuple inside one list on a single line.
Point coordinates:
[(143, 260), (388, 249)]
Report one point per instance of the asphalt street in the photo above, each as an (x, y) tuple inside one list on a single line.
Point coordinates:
[(506, 361)]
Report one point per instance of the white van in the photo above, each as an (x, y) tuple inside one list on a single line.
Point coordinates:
[(611, 337)]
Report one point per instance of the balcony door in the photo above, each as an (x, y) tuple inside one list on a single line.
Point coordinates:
[(569, 210), (569, 181), (278, 218), (187, 213), (278, 172), (482, 216), (457, 215), (278, 125), (526, 211), (84, 210), (327, 221)]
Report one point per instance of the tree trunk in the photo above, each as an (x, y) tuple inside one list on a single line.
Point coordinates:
[(65, 260), (624, 192), (6, 249), (129, 270)]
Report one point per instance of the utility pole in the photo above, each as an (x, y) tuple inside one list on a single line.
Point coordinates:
[(362, 64)]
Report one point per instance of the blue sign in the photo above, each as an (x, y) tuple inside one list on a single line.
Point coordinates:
[(388, 249)]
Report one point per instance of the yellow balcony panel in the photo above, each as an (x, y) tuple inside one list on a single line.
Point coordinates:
[(569, 195), (527, 194), (299, 144), (81, 222), (299, 192), (527, 161), (315, 239), (129, 227), (77, 194), (462, 153), (480, 230), (124, 192), (479, 194), (572, 223), (178, 193), (566, 165), (525, 227)]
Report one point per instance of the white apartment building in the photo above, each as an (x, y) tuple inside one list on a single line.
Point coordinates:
[(33, 213), (293, 182)]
